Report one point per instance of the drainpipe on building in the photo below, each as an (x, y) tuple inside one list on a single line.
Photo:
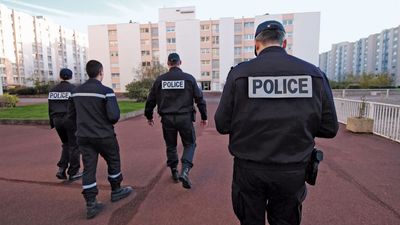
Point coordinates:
[(1, 86)]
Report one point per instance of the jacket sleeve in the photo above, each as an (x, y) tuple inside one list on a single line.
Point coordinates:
[(112, 107), (151, 102), (199, 100), (329, 124), (223, 115)]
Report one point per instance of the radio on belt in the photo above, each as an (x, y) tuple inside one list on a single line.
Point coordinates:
[(173, 84), (280, 87)]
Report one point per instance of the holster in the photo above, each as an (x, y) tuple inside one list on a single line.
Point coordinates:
[(312, 167)]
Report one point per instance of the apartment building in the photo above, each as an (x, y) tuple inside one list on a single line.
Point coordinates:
[(33, 48), (208, 48), (376, 54)]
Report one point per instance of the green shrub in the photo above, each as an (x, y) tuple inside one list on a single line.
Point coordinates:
[(25, 91), (138, 90), (8, 101)]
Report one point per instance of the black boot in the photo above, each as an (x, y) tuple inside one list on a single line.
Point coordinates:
[(121, 193), (76, 176), (184, 178), (175, 174), (93, 208), (61, 174)]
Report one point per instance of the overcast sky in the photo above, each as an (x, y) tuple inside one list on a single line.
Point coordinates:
[(341, 20)]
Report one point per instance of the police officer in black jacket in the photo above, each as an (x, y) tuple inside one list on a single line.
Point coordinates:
[(173, 93), (273, 107), (95, 109), (58, 102)]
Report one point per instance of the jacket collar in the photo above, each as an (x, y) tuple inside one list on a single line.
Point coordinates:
[(272, 49), (93, 80), (175, 69)]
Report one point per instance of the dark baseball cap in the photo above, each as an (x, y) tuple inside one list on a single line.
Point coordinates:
[(66, 74), (173, 58), (269, 25)]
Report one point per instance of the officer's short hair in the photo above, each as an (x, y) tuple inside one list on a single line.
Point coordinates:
[(93, 68), (268, 36)]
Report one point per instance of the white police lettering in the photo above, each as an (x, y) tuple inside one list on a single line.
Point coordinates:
[(59, 95), (280, 87), (173, 84)]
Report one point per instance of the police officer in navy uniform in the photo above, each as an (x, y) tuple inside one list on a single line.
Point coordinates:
[(95, 109), (58, 102), (273, 107), (173, 93)]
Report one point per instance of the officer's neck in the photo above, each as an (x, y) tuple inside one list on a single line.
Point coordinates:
[(174, 67), (262, 47)]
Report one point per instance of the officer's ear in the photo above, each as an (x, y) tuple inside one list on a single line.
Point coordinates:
[(284, 44), (180, 62)]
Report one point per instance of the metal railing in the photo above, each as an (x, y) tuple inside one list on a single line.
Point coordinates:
[(386, 116)]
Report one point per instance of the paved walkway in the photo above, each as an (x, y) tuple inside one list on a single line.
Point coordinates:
[(359, 181)]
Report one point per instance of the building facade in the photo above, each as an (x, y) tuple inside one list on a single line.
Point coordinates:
[(32, 48), (377, 54), (208, 48)]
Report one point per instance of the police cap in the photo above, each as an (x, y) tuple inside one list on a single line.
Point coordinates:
[(66, 74), (173, 58), (268, 25)]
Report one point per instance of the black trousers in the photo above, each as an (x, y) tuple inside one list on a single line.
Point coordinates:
[(70, 156), (108, 148), (182, 124), (278, 190)]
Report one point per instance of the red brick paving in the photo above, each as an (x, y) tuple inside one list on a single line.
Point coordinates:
[(359, 181)]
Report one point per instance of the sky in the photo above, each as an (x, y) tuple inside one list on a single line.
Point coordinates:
[(341, 20)]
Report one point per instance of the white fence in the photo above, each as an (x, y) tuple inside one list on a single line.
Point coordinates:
[(386, 116)]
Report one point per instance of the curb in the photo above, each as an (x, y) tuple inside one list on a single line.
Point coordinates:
[(123, 117)]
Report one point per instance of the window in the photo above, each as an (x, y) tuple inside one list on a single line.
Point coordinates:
[(205, 74), (116, 86), (215, 74), (112, 32), (238, 50), (238, 39), (145, 63), (170, 29), (238, 27), (205, 62), (204, 27), (144, 30), (115, 75), (215, 51), (144, 53), (215, 27), (205, 50), (237, 61), (248, 49), (154, 31), (113, 65), (215, 64), (249, 25), (205, 39), (114, 53), (113, 43), (154, 43), (171, 40), (289, 34), (248, 37), (215, 40), (287, 22)]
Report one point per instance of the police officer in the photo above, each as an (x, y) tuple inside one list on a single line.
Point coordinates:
[(58, 102), (95, 109), (173, 93), (273, 107)]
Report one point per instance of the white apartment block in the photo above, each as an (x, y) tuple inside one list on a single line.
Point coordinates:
[(208, 48), (377, 54), (33, 48)]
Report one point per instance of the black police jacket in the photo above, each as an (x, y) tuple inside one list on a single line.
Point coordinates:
[(273, 107), (173, 93), (95, 110), (58, 100)]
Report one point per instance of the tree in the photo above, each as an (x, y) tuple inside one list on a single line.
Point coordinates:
[(139, 89)]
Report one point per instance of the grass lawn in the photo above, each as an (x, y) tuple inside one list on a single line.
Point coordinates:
[(40, 111)]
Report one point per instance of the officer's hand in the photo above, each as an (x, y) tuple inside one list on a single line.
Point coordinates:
[(204, 123), (150, 122)]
